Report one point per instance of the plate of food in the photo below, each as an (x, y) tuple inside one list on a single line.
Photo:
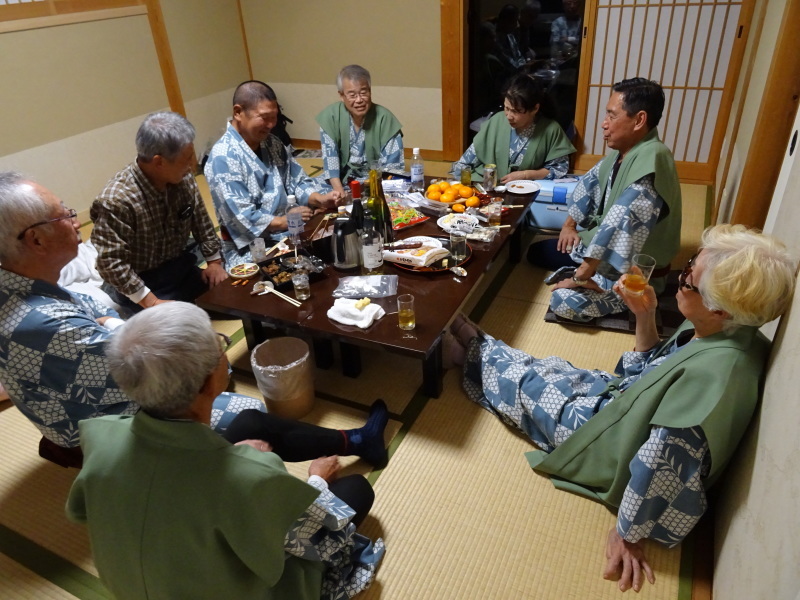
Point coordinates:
[(243, 271), (415, 252), (522, 186), (442, 262), (458, 222)]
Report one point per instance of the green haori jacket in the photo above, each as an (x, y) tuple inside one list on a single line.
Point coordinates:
[(380, 125), (175, 511), (650, 155), (713, 382), (494, 140)]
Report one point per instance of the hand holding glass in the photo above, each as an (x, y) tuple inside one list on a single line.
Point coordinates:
[(636, 279)]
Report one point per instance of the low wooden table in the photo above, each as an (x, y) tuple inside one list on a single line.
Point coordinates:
[(437, 298)]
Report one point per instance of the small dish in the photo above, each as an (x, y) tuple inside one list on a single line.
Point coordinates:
[(243, 271), (500, 188)]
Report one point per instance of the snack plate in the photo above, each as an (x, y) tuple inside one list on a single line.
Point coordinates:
[(446, 221), (243, 271), (436, 266), (522, 187)]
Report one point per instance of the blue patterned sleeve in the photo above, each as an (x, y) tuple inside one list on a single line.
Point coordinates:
[(665, 497), (586, 198), (298, 183), (468, 159), (392, 154), (627, 225), (558, 167), (330, 155)]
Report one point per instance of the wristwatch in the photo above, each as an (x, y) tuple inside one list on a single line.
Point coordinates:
[(577, 281)]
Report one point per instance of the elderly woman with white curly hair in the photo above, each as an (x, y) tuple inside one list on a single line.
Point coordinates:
[(650, 439)]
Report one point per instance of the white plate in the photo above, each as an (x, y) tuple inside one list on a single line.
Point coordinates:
[(522, 187), (457, 222), (426, 241)]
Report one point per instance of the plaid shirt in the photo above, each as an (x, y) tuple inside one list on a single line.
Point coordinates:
[(138, 228)]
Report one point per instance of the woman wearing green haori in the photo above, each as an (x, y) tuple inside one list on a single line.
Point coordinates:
[(522, 141), (651, 438)]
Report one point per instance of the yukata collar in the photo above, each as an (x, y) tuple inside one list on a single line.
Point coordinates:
[(25, 286)]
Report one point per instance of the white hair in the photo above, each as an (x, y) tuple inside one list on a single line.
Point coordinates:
[(162, 356), (165, 134), (20, 207), (355, 73)]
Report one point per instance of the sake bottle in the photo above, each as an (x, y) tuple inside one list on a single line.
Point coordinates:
[(376, 204)]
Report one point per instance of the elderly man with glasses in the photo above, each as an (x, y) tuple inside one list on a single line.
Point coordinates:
[(651, 438), (355, 131), (145, 215), (52, 347)]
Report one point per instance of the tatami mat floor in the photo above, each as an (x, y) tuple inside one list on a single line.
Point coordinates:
[(462, 515)]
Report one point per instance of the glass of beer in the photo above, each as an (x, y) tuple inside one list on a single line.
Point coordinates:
[(405, 312), (636, 279)]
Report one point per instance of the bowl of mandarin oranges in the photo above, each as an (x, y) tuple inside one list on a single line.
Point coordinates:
[(459, 197)]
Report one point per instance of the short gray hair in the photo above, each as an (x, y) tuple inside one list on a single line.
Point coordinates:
[(165, 134), (20, 207), (162, 356), (355, 73)]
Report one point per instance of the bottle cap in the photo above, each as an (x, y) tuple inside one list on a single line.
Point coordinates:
[(355, 188), (342, 211), (416, 150), (291, 199)]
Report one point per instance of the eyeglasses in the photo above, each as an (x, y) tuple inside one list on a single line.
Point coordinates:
[(363, 94), (71, 214), (687, 270), (224, 342)]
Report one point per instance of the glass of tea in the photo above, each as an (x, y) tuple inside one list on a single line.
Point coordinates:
[(636, 279), (405, 312)]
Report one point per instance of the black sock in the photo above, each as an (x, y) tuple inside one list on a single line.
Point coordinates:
[(367, 441)]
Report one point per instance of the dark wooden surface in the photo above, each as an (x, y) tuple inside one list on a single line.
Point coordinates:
[(437, 298)]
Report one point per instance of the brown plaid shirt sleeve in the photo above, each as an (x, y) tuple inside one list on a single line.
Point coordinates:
[(138, 228)]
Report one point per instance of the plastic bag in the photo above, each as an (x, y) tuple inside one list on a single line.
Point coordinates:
[(366, 286), (284, 375), (404, 214)]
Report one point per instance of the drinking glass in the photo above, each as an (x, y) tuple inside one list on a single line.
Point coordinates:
[(302, 287), (458, 245), (636, 279), (495, 213), (405, 312)]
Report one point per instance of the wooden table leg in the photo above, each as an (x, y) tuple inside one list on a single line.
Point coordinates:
[(515, 246), (254, 333), (351, 359), (323, 353), (432, 372)]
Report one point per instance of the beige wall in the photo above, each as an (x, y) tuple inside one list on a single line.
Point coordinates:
[(298, 47)]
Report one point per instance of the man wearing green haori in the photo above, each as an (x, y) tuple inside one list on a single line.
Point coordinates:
[(629, 203)]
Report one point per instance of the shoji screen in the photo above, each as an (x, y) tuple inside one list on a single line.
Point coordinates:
[(688, 47)]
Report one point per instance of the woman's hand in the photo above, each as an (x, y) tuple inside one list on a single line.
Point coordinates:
[(630, 559), (326, 467), (513, 176), (642, 305)]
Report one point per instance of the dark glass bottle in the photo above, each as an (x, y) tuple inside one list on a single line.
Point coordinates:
[(377, 205)]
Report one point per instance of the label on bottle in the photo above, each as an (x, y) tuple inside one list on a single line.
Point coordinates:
[(294, 219), (372, 257), (417, 174)]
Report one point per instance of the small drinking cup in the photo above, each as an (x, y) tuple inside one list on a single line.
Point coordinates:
[(302, 287), (458, 245), (494, 211), (636, 279), (405, 312)]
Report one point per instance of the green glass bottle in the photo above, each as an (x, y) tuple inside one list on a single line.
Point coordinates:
[(376, 204)]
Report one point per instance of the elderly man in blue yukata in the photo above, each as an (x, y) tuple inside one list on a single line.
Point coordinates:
[(52, 347), (628, 203), (251, 173), (356, 132)]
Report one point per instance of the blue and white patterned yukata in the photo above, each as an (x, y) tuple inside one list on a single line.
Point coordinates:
[(53, 363), (325, 533), (250, 190), (557, 167), (358, 166), (549, 399), (622, 233)]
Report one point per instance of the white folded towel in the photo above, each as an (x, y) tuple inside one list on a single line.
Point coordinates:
[(344, 311)]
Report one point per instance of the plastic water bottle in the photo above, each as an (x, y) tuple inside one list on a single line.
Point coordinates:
[(294, 219), (417, 172)]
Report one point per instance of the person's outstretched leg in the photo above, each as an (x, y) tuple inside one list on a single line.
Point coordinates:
[(295, 441)]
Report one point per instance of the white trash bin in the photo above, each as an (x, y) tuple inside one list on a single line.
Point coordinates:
[(283, 371)]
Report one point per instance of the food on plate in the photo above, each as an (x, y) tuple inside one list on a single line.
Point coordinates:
[(443, 186), (243, 270), (473, 201), (465, 191), (271, 268), (282, 277), (434, 195), (516, 186)]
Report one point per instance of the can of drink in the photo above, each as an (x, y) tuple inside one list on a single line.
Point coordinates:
[(466, 176), (489, 177)]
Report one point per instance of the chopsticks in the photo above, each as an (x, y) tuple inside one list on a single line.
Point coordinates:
[(273, 247), (288, 299)]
